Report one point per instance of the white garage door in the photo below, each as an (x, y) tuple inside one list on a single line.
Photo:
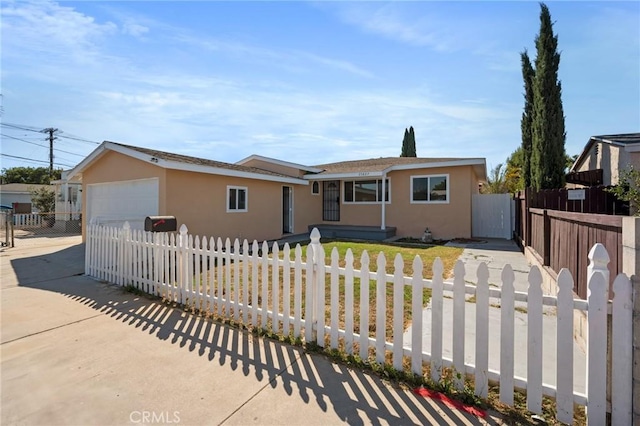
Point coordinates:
[(114, 203)]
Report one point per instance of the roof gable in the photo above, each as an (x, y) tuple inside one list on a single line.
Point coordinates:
[(628, 141)]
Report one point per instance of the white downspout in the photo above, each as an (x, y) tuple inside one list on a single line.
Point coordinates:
[(384, 190)]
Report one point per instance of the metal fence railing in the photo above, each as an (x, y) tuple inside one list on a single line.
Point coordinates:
[(6, 228), (52, 223)]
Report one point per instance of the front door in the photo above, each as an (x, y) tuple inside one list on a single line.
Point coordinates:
[(287, 210), (331, 200)]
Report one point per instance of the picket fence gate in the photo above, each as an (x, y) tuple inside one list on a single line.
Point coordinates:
[(242, 282)]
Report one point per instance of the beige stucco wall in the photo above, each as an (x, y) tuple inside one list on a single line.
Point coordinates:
[(610, 158), (445, 221), (200, 201), (308, 208)]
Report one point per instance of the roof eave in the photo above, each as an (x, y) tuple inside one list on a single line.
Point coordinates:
[(478, 163), (175, 165), (198, 168), (350, 175), (88, 160)]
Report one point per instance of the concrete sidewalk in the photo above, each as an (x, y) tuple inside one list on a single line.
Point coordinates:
[(76, 351), (497, 253)]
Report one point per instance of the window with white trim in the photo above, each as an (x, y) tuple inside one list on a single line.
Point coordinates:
[(237, 198), (430, 189), (365, 191), (315, 188)]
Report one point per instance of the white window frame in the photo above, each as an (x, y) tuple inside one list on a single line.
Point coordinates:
[(246, 199), (315, 183), (343, 191), (428, 177)]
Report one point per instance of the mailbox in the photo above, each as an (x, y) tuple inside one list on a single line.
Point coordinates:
[(160, 223)]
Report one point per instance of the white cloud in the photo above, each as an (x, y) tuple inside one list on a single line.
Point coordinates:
[(134, 29), (50, 28), (390, 22), (208, 114)]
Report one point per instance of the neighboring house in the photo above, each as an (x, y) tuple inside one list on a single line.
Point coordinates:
[(264, 198), (603, 158), (11, 193), (68, 200)]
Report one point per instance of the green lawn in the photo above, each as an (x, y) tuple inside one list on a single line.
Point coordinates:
[(448, 255)]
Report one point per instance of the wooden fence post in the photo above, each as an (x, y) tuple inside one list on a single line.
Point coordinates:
[(123, 254), (527, 215), (89, 253), (622, 353), (597, 350), (320, 283), (597, 368), (183, 268), (547, 237), (631, 267), (309, 295)]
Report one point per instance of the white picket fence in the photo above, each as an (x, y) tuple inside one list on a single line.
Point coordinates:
[(27, 220), (242, 282)]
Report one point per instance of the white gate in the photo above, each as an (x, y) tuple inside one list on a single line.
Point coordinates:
[(492, 216)]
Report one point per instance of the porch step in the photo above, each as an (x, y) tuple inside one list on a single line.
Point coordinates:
[(354, 232)]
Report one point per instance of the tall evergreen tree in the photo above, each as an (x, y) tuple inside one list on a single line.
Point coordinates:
[(548, 154), (527, 117), (411, 145), (405, 144)]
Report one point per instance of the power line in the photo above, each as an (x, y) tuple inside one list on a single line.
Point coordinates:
[(21, 127), (37, 144), (31, 159), (78, 139), (38, 130)]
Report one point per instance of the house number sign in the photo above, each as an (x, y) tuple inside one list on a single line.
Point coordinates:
[(575, 194)]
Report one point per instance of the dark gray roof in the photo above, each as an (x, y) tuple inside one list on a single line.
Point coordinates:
[(378, 164), (624, 138), (169, 156)]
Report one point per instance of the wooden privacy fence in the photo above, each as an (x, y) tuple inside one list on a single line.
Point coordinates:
[(563, 240), (296, 293), (594, 199)]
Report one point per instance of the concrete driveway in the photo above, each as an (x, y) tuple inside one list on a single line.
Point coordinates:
[(79, 352)]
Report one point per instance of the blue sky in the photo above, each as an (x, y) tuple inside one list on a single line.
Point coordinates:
[(305, 82)]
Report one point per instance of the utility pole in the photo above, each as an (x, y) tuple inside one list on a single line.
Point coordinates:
[(51, 132)]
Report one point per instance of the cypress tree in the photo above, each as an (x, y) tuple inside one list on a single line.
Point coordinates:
[(527, 118), (405, 144), (548, 154), (411, 148)]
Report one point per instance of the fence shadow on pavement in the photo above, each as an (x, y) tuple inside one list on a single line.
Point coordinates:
[(355, 397)]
